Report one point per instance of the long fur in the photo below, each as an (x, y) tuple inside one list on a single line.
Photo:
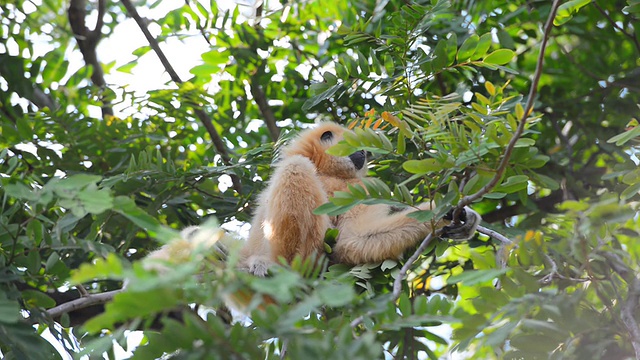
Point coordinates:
[(284, 224)]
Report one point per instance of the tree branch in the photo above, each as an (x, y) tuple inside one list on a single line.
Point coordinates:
[(82, 302), (257, 91), (616, 26), (527, 110), (397, 283), (88, 42), (204, 118)]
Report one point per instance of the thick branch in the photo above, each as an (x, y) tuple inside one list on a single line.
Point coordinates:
[(88, 42), (204, 118), (527, 110)]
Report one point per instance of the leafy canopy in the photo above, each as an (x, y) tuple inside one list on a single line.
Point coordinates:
[(95, 175)]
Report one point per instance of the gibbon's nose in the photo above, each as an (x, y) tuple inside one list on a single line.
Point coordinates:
[(358, 159)]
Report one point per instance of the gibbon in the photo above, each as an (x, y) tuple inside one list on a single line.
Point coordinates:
[(284, 224)]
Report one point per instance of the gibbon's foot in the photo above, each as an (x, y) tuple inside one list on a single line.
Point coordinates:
[(466, 228), (258, 266)]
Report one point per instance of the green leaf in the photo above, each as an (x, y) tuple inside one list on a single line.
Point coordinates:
[(423, 166), (567, 10), (439, 56), (126, 68), (630, 192), (513, 184), (131, 211), (34, 298), (474, 277), (21, 191), (482, 47), (9, 311), (109, 268), (24, 129), (468, 48), (622, 138), (335, 295), (499, 57)]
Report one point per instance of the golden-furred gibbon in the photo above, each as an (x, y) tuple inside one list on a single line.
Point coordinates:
[(284, 224)]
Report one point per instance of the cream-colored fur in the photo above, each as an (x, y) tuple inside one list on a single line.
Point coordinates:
[(284, 224)]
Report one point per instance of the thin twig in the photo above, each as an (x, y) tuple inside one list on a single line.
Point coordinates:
[(83, 292), (397, 283), (501, 254), (83, 302), (494, 234), (528, 107), (204, 118), (615, 25)]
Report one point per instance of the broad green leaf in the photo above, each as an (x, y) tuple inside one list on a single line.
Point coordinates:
[(9, 311), (34, 298), (499, 57), (423, 166), (468, 48), (567, 10), (484, 43)]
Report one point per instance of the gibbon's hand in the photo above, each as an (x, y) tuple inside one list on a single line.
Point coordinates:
[(465, 228)]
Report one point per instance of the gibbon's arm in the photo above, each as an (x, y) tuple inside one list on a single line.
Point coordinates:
[(286, 220), (372, 234)]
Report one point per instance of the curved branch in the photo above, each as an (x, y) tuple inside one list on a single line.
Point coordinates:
[(527, 110), (204, 118)]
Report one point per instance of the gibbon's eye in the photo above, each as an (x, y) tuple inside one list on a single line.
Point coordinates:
[(326, 136)]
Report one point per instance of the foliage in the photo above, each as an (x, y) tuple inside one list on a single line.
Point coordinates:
[(434, 89)]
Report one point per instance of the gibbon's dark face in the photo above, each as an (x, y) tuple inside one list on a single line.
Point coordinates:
[(314, 143)]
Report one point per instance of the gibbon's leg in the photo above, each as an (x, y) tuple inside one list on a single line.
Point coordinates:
[(289, 224), (372, 233)]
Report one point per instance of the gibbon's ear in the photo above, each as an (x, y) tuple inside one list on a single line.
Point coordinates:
[(326, 136)]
